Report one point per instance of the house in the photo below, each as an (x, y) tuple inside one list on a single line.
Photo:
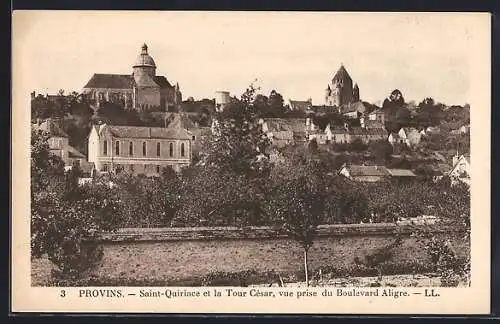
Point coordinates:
[(139, 150), (282, 138), (354, 110), (297, 126), (367, 135), (300, 105), (401, 174), (407, 135), (377, 115), (460, 170), (465, 129), (59, 143), (365, 173)]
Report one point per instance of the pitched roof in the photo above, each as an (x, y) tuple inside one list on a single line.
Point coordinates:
[(367, 170), (376, 131), (283, 135), (149, 132), (302, 105), (401, 173), (377, 111), (285, 124), (358, 106), (50, 127), (373, 124), (74, 153), (162, 81), (342, 74), (111, 81)]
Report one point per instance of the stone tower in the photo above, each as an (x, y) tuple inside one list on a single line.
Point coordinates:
[(340, 92), (355, 93), (144, 64)]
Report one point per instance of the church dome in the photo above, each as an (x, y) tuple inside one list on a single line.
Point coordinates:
[(144, 59)]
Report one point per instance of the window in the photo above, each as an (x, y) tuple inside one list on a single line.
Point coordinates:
[(171, 149), (105, 167), (105, 147), (131, 149), (131, 168), (194, 138), (158, 149), (117, 148), (182, 149), (157, 169), (143, 148)]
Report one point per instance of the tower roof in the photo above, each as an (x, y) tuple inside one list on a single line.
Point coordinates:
[(144, 59), (341, 74)]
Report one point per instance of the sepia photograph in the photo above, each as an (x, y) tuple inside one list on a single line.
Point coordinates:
[(326, 152)]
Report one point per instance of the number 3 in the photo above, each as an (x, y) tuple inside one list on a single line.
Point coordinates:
[(63, 293)]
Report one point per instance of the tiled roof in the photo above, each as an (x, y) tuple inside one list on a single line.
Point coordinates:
[(395, 135), (149, 132), (74, 153), (285, 124), (367, 170), (111, 81), (374, 124), (376, 131), (358, 106), (342, 74), (283, 135), (302, 105), (377, 112), (50, 127), (401, 173), (162, 81)]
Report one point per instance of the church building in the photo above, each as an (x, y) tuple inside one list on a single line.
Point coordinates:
[(341, 91), (141, 90)]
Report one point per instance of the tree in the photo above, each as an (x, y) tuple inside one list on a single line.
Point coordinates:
[(276, 104), (47, 169), (296, 203), (65, 217), (381, 150), (392, 106), (238, 143)]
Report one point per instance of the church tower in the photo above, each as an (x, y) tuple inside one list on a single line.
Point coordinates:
[(355, 93), (341, 92), (144, 65)]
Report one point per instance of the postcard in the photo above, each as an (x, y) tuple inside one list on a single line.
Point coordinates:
[(250, 162)]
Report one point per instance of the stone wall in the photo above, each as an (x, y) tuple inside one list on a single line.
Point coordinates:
[(177, 253)]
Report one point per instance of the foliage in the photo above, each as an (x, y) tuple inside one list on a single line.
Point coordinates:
[(65, 227), (46, 168), (297, 200), (238, 144), (222, 198), (451, 269), (148, 201), (66, 217)]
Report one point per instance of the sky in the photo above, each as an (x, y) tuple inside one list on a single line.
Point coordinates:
[(297, 54)]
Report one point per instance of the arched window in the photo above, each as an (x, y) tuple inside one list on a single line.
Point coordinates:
[(117, 148), (105, 147), (158, 149), (171, 150), (131, 149), (143, 148), (182, 149)]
